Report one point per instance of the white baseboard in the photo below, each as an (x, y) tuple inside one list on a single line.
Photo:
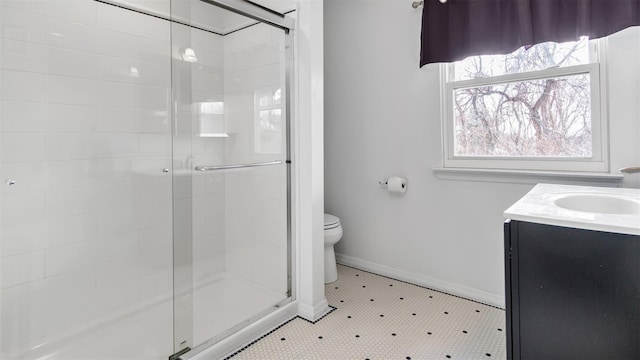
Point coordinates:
[(245, 336), (417, 279), (313, 313)]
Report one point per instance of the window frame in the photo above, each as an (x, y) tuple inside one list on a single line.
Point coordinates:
[(257, 147), (599, 162)]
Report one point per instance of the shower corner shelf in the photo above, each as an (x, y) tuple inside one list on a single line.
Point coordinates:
[(214, 135)]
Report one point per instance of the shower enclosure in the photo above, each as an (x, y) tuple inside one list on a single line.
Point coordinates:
[(144, 160)]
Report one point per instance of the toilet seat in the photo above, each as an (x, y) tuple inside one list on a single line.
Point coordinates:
[(332, 234), (332, 227), (331, 222)]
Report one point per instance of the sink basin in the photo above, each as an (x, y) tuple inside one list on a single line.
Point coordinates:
[(596, 203), (615, 210)]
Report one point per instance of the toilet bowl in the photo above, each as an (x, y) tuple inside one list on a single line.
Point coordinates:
[(332, 234)]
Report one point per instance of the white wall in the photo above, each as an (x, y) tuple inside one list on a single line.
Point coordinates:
[(383, 119), (308, 158)]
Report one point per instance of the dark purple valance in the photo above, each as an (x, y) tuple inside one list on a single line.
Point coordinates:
[(460, 28)]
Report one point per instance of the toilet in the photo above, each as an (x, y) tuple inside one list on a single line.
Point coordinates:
[(332, 234)]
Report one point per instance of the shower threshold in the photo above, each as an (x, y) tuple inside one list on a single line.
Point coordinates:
[(216, 306)]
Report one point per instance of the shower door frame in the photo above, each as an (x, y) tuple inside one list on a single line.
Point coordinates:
[(287, 24)]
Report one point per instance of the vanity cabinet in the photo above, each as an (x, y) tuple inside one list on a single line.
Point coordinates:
[(571, 293)]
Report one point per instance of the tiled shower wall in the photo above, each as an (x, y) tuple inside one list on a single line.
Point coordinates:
[(256, 199), (85, 133), (198, 92)]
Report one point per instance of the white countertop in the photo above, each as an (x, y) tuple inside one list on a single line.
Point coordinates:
[(538, 206)]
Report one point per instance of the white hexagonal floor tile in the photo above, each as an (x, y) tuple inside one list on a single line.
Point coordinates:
[(376, 317)]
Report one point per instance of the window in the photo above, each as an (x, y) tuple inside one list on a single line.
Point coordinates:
[(268, 121), (541, 108)]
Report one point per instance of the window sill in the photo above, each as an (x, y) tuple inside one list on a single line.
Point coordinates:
[(529, 176)]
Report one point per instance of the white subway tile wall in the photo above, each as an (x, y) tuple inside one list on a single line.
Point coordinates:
[(239, 216), (196, 85), (254, 70), (85, 133)]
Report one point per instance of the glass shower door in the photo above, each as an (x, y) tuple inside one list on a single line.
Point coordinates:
[(230, 171), (144, 177), (85, 223)]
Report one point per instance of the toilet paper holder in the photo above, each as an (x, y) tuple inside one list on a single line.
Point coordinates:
[(386, 183)]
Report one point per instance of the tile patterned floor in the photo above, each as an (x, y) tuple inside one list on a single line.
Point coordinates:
[(380, 318)]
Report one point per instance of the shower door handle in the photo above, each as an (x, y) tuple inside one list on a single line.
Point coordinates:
[(239, 166)]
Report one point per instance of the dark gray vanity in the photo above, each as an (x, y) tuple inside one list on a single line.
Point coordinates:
[(572, 289)]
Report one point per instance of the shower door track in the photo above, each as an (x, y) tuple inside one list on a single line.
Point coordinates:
[(246, 8)]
